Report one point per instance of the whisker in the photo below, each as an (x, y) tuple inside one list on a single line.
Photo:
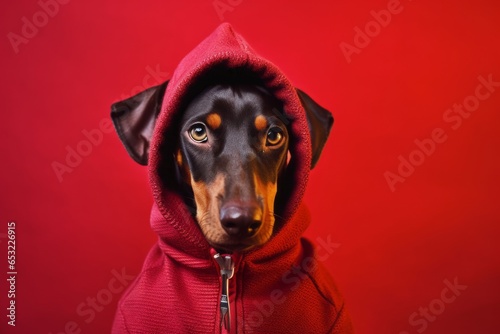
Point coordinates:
[(280, 218)]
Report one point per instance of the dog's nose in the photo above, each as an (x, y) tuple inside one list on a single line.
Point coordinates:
[(242, 220)]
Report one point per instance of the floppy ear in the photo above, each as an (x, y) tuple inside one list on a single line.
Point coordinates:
[(134, 120), (320, 122)]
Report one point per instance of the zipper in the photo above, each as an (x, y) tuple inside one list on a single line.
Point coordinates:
[(226, 266)]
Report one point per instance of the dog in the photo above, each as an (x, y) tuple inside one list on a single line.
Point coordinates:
[(229, 144)]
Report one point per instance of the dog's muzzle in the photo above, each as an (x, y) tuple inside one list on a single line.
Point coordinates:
[(240, 219)]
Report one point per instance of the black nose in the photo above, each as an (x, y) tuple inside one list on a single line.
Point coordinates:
[(242, 220)]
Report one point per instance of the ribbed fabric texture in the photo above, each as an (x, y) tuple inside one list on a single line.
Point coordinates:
[(178, 289)]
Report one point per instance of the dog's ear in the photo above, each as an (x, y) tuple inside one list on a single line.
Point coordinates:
[(320, 122), (134, 120)]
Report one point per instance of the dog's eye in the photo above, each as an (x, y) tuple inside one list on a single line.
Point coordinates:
[(198, 133), (274, 136)]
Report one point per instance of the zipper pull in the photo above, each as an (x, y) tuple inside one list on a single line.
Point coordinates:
[(226, 266)]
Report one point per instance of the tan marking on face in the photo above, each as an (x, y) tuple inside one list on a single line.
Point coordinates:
[(207, 207), (178, 158), (186, 174), (267, 191), (260, 122), (214, 121)]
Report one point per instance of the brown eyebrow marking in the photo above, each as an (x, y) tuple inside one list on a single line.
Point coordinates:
[(260, 122), (214, 121)]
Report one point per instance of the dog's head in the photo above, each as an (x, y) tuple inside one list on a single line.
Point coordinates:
[(233, 146), (230, 153)]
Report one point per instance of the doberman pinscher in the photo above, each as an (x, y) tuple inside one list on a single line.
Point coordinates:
[(231, 151), (233, 147), (232, 140)]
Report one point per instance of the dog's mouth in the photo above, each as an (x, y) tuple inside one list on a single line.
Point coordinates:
[(227, 241), (236, 244)]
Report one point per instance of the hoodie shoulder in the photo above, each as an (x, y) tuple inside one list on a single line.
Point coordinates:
[(327, 287)]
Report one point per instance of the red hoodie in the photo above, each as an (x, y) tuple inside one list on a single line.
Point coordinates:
[(280, 287)]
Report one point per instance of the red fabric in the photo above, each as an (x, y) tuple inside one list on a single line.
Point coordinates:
[(178, 289)]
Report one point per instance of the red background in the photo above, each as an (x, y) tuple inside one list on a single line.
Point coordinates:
[(396, 247)]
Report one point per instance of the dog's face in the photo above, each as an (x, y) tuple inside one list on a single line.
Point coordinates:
[(233, 146)]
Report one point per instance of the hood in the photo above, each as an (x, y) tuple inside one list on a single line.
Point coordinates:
[(147, 125)]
